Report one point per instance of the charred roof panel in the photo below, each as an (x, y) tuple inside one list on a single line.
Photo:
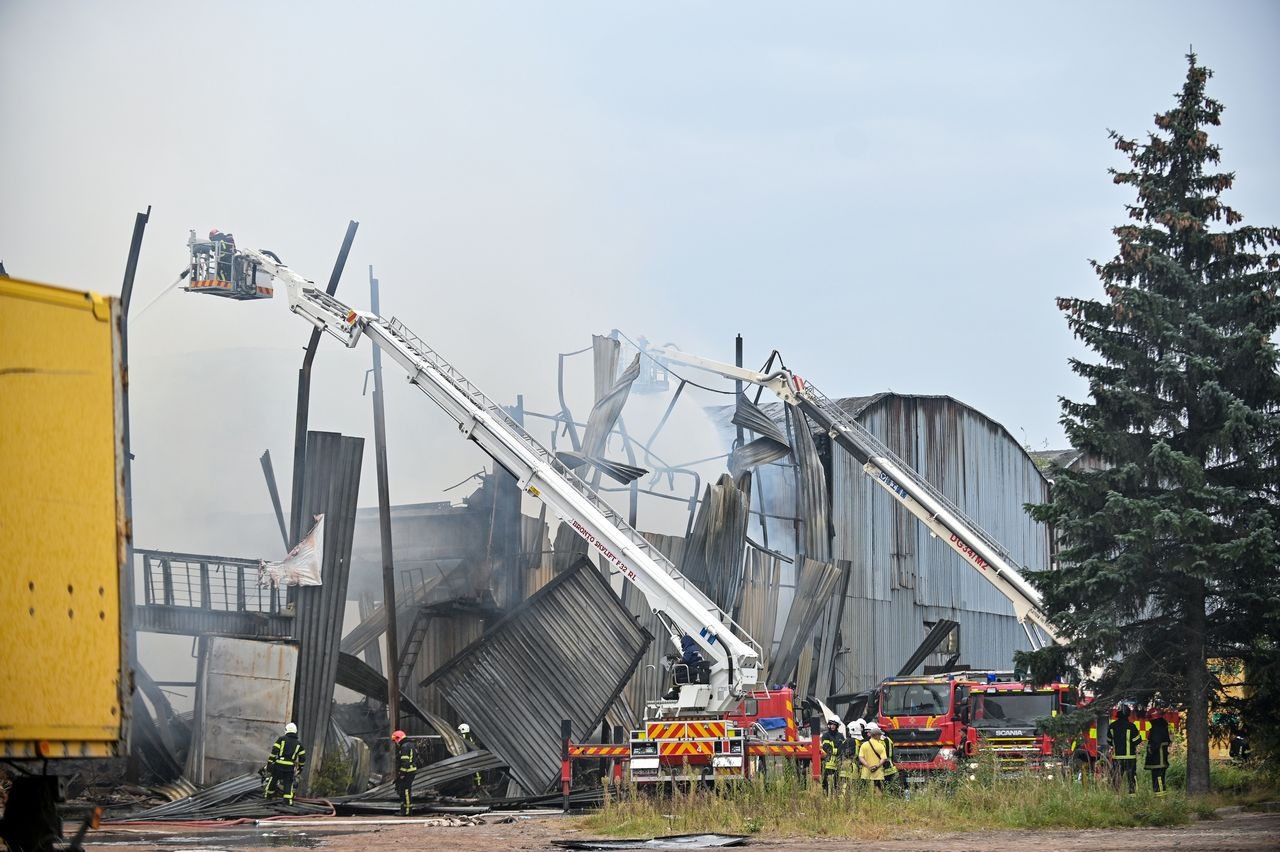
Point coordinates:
[(563, 654)]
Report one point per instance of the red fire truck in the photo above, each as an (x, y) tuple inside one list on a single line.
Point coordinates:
[(1002, 717), (922, 716)]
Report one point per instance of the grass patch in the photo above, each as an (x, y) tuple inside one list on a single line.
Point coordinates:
[(788, 807), (1230, 783)]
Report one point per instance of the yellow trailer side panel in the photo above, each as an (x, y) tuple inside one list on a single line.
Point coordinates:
[(63, 527)]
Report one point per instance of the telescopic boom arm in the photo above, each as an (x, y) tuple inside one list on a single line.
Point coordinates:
[(734, 659), (920, 498)]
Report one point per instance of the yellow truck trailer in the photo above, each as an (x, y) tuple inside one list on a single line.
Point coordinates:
[(65, 682)]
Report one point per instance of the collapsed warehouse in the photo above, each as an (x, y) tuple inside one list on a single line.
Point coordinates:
[(504, 621)]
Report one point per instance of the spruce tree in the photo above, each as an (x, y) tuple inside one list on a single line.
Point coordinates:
[(1168, 553)]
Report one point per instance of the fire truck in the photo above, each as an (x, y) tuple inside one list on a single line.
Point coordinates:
[(943, 722), (923, 716), (1002, 718), (927, 718), (705, 731)]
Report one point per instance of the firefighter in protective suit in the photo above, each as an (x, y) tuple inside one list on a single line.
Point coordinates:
[(406, 770), (1157, 762), (832, 744), (288, 758), (1125, 739)]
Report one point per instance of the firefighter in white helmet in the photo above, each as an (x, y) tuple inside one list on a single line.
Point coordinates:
[(465, 730)]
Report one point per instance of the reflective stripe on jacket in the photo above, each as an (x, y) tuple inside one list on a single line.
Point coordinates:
[(287, 751), (406, 758)]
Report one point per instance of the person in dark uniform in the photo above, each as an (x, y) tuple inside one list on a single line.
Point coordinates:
[(224, 245), (832, 745), (1157, 761), (1125, 739), (288, 758), (406, 770)]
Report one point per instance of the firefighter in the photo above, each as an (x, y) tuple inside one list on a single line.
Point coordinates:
[(849, 769), (1124, 739), (1080, 760), (288, 758), (873, 756), (832, 745), (406, 769), (892, 780), (465, 730), (1157, 762), (224, 246)]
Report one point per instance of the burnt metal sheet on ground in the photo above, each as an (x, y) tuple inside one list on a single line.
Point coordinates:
[(563, 654), (330, 486), (673, 841), (432, 776)]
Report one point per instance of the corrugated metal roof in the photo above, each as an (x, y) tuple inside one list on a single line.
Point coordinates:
[(899, 576), (563, 654)]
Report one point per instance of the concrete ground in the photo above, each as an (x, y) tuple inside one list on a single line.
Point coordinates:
[(1234, 831)]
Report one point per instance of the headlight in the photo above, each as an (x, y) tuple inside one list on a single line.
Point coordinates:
[(947, 753)]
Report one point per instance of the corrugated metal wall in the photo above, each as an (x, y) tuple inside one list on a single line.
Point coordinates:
[(899, 577), (331, 483)]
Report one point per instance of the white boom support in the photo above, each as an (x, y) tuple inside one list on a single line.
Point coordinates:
[(734, 661), (920, 498)]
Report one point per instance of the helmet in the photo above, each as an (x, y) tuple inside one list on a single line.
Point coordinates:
[(397, 736), (858, 725), (464, 728), (873, 728), (833, 722), (212, 232), (291, 728)]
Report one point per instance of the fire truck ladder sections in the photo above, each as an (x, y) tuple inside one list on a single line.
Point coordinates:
[(931, 506), (735, 658), (921, 499)]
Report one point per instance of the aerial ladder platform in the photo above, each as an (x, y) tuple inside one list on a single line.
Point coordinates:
[(683, 608)]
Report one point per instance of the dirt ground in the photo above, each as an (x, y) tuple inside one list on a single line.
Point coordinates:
[(536, 833)]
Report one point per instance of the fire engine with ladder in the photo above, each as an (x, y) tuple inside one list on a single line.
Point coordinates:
[(947, 719), (706, 730)]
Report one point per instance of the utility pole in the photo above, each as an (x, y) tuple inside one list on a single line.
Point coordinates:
[(384, 526)]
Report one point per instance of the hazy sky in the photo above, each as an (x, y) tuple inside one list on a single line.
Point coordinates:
[(891, 195)]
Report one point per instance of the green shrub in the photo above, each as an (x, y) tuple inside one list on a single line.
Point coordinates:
[(333, 778)]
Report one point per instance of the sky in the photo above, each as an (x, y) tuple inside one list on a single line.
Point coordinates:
[(890, 195)]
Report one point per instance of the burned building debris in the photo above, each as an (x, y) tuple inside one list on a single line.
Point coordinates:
[(511, 622)]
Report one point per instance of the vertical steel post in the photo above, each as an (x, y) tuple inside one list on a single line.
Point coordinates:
[(384, 527), (566, 774)]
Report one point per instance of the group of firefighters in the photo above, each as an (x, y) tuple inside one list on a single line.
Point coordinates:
[(1126, 738), (865, 754), (288, 758)]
